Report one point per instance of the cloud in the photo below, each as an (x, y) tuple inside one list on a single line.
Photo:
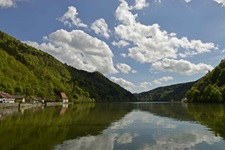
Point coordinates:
[(121, 43), (187, 1), (140, 4), (7, 3), (181, 66), (123, 83), (134, 71), (123, 55), (125, 68), (70, 18), (145, 85), (165, 79), (123, 13), (220, 2), (101, 28), (79, 50), (151, 43), (161, 80), (157, 82)]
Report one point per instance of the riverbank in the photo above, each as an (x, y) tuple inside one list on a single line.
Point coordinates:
[(30, 105)]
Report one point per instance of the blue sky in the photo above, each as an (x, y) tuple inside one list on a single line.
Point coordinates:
[(139, 44)]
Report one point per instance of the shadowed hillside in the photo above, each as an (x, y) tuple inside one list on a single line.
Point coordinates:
[(173, 92)]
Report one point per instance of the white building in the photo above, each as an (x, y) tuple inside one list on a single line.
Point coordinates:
[(7, 98)]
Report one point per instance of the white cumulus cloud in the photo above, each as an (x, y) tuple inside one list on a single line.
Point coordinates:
[(121, 43), (181, 66), (123, 13), (123, 83), (70, 18), (79, 50), (151, 43), (157, 82), (165, 79), (7, 3), (125, 68), (140, 4), (145, 85), (101, 28)]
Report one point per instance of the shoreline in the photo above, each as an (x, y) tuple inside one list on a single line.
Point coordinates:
[(31, 105)]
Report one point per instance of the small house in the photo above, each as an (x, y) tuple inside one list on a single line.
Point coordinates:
[(35, 99), (7, 98), (19, 98), (38, 100), (63, 97)]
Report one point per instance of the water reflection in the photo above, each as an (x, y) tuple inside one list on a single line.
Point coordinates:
[(138, 126), (44, 128), (143, 130), (210, 115)]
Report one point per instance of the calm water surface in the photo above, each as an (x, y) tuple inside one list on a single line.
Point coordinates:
[(137, 126)]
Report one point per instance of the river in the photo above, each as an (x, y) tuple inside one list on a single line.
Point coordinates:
[(119, 126)]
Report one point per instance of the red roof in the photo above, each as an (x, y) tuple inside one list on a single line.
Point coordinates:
[(63, 95), (5, 95)]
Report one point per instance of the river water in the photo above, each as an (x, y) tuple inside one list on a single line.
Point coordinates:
[(119, 126)]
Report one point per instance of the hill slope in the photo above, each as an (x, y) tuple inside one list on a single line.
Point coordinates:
[(211, 87), (26, 70), (173, 92)]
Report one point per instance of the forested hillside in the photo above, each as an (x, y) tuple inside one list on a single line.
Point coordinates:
[(26, 70), (211, 87), (168, 93)]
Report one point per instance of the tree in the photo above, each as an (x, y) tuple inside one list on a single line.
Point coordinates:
[(222, 78), (216, 74), (193, 95)]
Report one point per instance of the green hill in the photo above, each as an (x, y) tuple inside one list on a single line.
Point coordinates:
[(168, 93), (26, 70), (210, 88)]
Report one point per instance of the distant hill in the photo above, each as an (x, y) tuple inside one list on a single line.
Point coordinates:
[(168, 93), (211, 87), (26, 70)]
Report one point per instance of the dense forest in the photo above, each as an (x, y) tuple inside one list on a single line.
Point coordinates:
[(168, 93), (211, 87), (26, 70)]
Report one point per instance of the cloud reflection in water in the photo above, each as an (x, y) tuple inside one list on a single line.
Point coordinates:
[(145, 131)]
